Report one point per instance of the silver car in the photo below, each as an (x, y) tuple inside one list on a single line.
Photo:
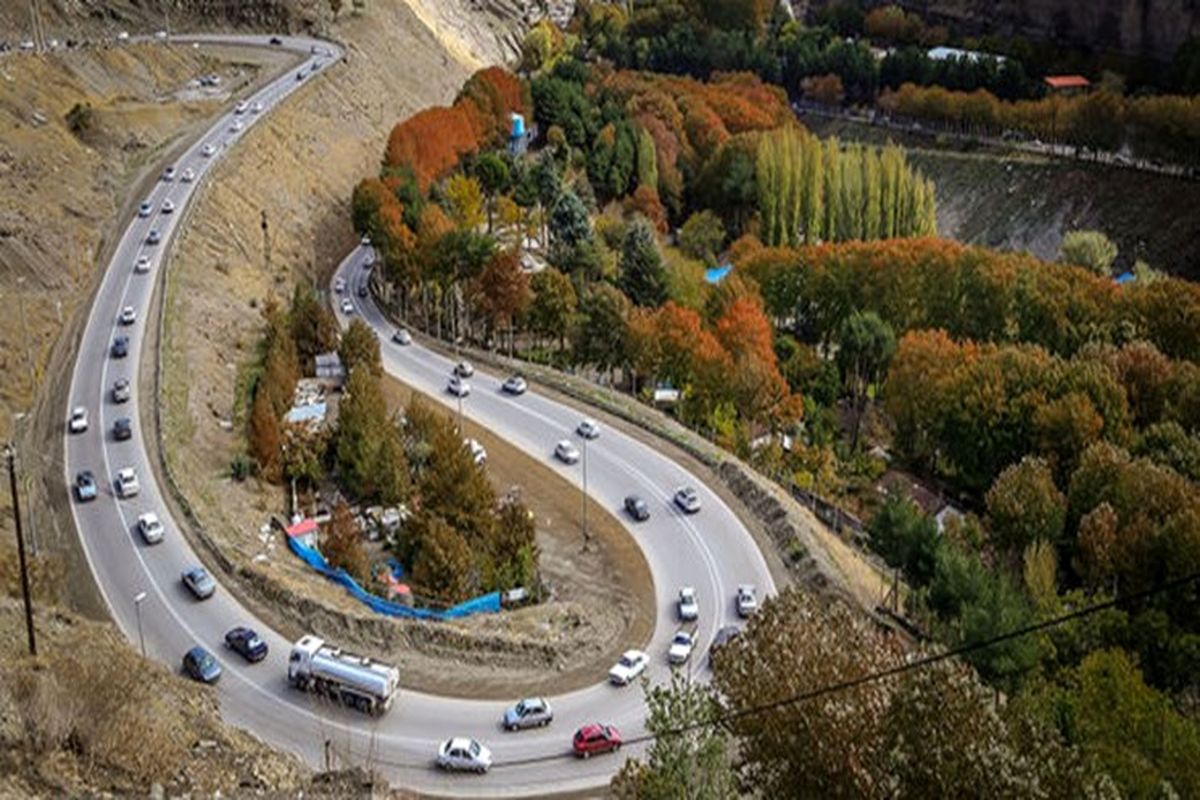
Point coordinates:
[(532, 712)]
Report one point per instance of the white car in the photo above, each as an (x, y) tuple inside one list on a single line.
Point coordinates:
[(79, 420), (150, 527), (566, 452), (167, 207), (631, 664), (347, 306), (168, 174), (366, 240), (160, 35), (588, 429), (747, 600), (123, 36), (689, 607), (688, 500), (464, 755), (463, 369), (339, 285), (128, 316), (188, 175), (142, 264), (237, 126), (208, 150), (458, 387), (240, 108), (127, 483), (681, 647), (256, 108), (145, 209), (402, 337), (478, 453), (532, 712), (153, 237)]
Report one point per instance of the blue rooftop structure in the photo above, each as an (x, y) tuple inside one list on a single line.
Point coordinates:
[(1124, 278), (717, 274)]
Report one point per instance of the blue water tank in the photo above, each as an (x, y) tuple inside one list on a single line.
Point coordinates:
[(518, 128)]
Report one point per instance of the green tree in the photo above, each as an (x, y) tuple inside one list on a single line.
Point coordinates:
[(493, 174), (702, 236), (360, 346), (906, 538), (265, 436), (643, 278), (1024, 506), (464, 197), (443, 568), (866, 345), (314, 328), (999, 609), (569, 222), (391, 466), (362, 414), (512, 551), (600, 339), (1090, 249), (691, 756), (553, 305)]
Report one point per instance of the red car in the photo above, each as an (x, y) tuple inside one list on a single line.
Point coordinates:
[(596, 738)]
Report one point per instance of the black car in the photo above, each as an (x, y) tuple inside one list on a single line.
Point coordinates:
[(120, 347), (199, 665), (363, 291), (636, 507), (122, 429), (275, 40), (247, 643)]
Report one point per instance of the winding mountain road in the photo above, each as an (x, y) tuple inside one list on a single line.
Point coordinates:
[(711, 551)]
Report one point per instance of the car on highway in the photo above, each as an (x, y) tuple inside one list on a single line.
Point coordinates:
[(199, 665), (347, 306), (127, 483), (629, 666), (477, 451), (120, 390), (199, 582), (458, 387), (168, 174), (588, 429), (369, 261), (123, 36), (85, 486), (209, 150), (188, 175), (128, 316), (275, 40), (402, 337), (167, 207), (463, 369), (461, 754), (246, 643), (237, 126), (78, 422), (566, 452), (365, 241), (153, 237), (687, 500), (364, 290), (145, 209), (747, 600), (256, 108), (142, 265), (689, 607), (532, 712), (240, 108), (723, 637), (681, 647), (339, 285), (120, 347), (637, 508), (595, 738), (150, 527), (160, 35), (300, 75), (515, 385), (122, 429)]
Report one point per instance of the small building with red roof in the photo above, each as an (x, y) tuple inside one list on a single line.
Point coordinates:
[(1067, 84)]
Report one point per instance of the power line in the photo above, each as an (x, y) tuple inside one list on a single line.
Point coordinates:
[(891, 672)]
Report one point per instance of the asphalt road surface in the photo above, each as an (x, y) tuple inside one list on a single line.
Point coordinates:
[(710, 551)]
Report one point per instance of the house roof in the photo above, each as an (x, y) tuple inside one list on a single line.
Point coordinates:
[(1067, 81), (894, 481), (302, 528)]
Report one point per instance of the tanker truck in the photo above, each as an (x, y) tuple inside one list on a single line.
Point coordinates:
[(356, 681)]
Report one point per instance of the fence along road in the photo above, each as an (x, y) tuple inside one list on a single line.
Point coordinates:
[(711, 551)]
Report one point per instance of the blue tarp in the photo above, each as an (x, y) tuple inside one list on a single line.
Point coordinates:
[(717, 274), (484, 603), (1124, 278)]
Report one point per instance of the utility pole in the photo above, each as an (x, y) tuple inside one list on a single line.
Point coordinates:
[(137, 607), (266, 243), (587, 539), (11, 454)]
